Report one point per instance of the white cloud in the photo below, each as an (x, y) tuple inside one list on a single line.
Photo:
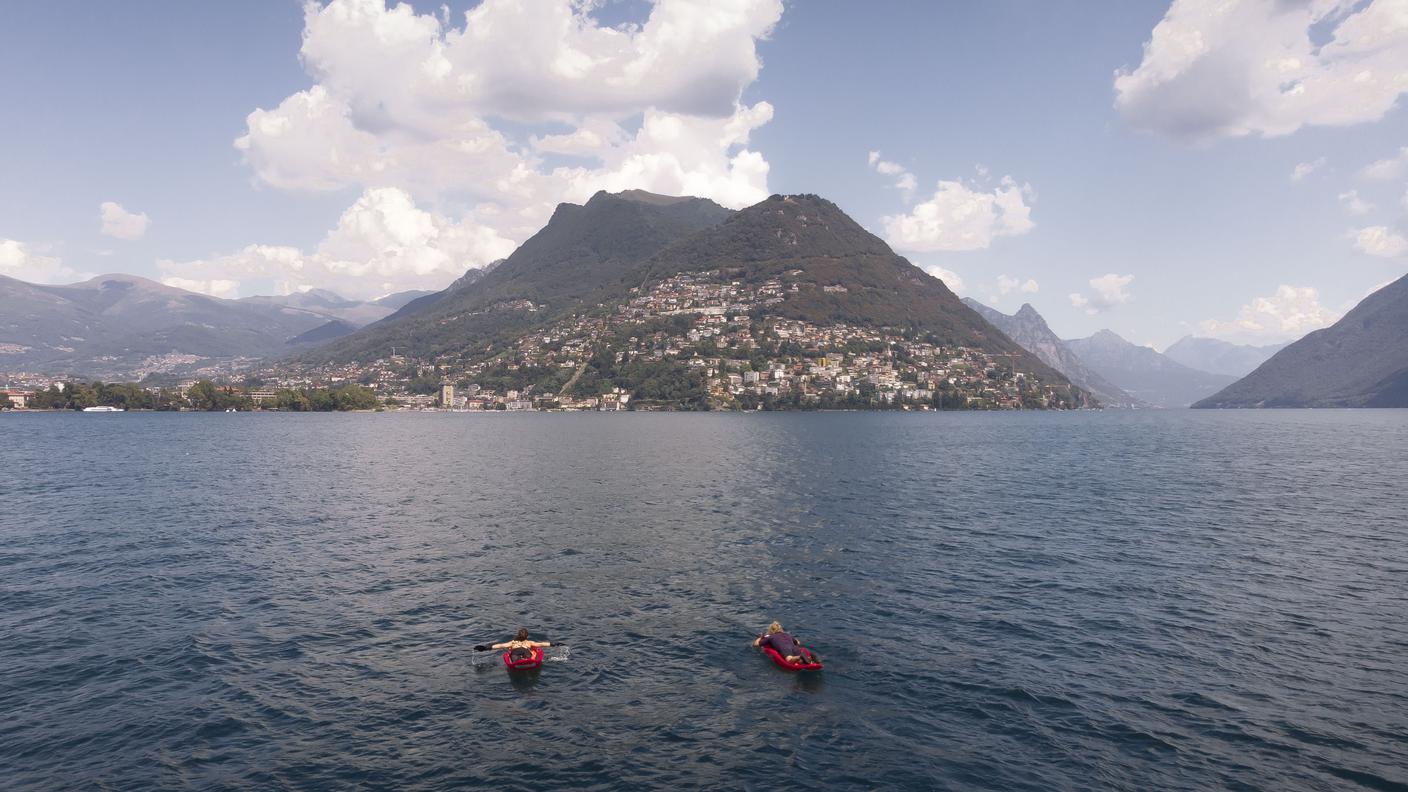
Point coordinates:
[(962, 217), (1389, 168), (1289, 313), (1379, 241), (1304, 169), (1355, 205), (405, 100), (904, 180), (122, 224), (1228, 68), (215, 287), (383, 243), (17, 260), (951, 279), (1007, 284), (1107, 291)]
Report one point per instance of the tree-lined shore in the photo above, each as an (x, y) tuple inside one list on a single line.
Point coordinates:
[(203, 396)]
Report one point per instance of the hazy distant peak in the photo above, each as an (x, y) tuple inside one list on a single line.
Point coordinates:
[(118, 280), (654, 199), (1027, 311), (1109, 337)]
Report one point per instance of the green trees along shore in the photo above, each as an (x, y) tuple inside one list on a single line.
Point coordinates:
[(203, 396)]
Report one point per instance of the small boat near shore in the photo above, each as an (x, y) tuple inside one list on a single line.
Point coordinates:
[(103, 409)]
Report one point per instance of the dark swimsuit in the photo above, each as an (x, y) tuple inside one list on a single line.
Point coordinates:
[(783, 644)]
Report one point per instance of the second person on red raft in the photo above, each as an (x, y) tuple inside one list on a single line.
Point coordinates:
[(784, 644)]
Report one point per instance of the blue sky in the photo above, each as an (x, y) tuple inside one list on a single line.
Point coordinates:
[(398, 150)]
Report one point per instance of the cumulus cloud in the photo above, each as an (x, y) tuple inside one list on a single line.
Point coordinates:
[(1353, 204), (122, 224), (383, 243), (407, 100), (215, 288), (1304, 169), (1389, 168), (904, 180), (1007, 284), (1107, 291), (1380, 241), (1288, 314), (1228, 68), (951, 279), (18, 260), (962, 216)]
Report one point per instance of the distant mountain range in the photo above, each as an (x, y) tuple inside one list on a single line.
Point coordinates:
[(590, 257), (1118, 373), (1220, 357), (1028, 328), (1145, 374), (590, 260), (124, 326), (1359, 361)]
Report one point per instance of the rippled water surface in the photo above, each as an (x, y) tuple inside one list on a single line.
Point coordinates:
[(1180, 600)]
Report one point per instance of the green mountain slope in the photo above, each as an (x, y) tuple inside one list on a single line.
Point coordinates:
[(579, 256), (809, 241)]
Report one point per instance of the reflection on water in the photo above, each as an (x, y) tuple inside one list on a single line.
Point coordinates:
[(1140, 600)]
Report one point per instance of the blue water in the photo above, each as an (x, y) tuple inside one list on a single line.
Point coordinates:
[(1170, 600)]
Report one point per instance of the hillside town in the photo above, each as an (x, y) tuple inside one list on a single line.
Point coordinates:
[(691, 341), (719, 342)]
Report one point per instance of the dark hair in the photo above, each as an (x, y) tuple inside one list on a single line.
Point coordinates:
[(522, 634)]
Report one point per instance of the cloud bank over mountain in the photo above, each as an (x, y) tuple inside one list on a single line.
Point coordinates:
[(480, 129)]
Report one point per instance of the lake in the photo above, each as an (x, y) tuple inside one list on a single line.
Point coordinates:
[(1014, 601)]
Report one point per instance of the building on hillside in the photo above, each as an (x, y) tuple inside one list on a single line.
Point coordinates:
[(447, 395)]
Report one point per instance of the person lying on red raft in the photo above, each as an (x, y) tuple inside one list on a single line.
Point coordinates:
[(787, 651), (520, 648)]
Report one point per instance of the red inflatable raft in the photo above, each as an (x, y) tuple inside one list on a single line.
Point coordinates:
[(811, 665), (530, 662)]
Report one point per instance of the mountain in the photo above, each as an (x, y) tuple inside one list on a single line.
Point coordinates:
[(838, 272), (126, 326), (579, 256), (1028, 328), (399, 299), (1220, 357), (424, 300), (327, 304), (1144, 373), (1359, 361), (678, 303), (323, 333)]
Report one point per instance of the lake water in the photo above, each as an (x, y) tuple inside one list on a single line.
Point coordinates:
[(1151, 600)]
